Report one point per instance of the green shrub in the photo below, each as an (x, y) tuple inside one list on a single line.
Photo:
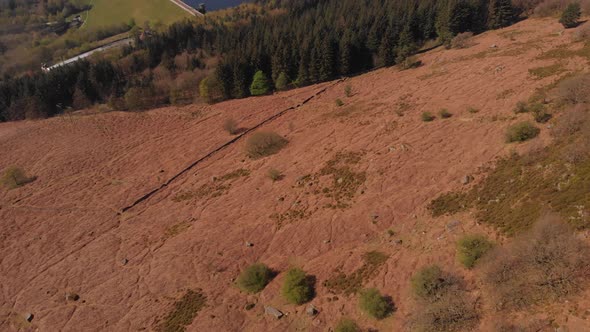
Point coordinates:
[(427, 117), (429, 283), (275, 174), (445, 114), (254, 278), (264, 143), (297, 288), (521, 132), (14, 177), (339, 103), (471, 248), (571, 15), (347, 325), (374, 304)]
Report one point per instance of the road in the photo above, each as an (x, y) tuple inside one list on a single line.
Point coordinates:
[(187, 8), (117, 43)]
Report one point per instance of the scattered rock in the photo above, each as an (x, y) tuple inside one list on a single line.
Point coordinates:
[(374, 216), (281, 199), (29, 317), (273, 312), (494, 46), (466, 179), (124, 261), (248, 244), (398, 241), (311, 310), (391, 148), (72, 297), (340, 180), (452, 225), (327, 241)]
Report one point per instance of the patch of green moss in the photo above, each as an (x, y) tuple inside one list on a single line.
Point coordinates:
[(184, 311), (342, 283)]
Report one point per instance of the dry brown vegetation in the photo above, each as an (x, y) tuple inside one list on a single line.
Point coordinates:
[(542, 265), (231, 126), (264, 143), (444, 305), (462, 40), (574, 90)]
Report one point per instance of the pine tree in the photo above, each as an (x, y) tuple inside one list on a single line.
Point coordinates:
[(282, 81), (259, 84), (571, 15), (500, 14)]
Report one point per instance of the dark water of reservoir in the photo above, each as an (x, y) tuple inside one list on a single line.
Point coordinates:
[(214, 4)]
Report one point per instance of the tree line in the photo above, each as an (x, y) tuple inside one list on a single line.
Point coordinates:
[(288, 43)]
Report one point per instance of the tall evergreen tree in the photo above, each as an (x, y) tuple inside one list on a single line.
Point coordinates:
[(260, 84), (500, 14)]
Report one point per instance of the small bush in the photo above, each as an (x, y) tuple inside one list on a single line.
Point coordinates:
[(14, 177), (254, 278), (472, 110), (231, 126), (543, 265), (575, 90), (445, 114), (275, 174), (471, 248), (571, 15), (348, 90), (262, 144), (521, 132), (297, 288), (347, 325), (521, 107), (462, 40), (429, 283), (339, 103), (428, 117), (374, 304)]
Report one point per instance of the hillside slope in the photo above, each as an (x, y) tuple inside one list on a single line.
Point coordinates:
[(66, 231)]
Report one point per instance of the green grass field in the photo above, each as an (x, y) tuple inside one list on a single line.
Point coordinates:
[(111, 12)]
